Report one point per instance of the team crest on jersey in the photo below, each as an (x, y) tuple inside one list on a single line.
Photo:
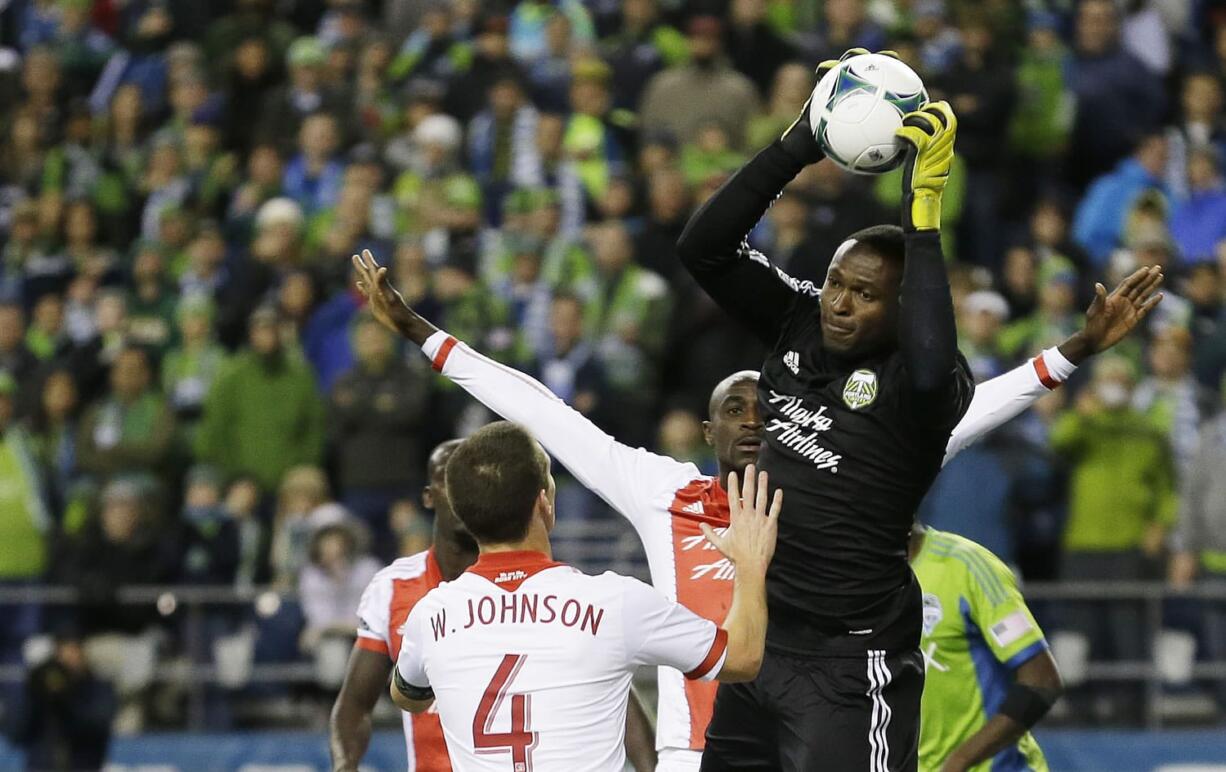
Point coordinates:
[(860, 390), (933, 613)]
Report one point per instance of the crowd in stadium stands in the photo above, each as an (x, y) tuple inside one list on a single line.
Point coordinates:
[(191, 391)]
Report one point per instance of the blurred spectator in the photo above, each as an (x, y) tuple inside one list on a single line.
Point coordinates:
[(1172, 397), (981, 316), (1200, 126), (668, 209), (241, 505), (643, 45), (681, 437), (599, 139), (251, 78), (189, 369), (502, 140), (489, 60), (24, 520), (558, 174), (53, 437), (47, 338), (549, 73), (81, 245), (1198, 222), (754, 47), (262, 415), (790, 88), (1049, 234), (302, 506), (151, 311), (1199, 539), (248, 18), (211, 546), (526, 292), (131, 430), (16, 359), (530, 23), (313, 177), (92, 360), (1055, 317), (709, 155), (705, 90), (1119, 100), (412, 529), (431, 50), (331, 584), (1121, 503), (66, 723), (844, 25), (306, 94), (569, 367), (377, 412), (1101, 216)]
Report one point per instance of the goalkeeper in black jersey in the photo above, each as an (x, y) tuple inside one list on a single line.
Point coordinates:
[(859, 393)]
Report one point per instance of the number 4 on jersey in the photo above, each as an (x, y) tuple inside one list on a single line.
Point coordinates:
[(519, 741)]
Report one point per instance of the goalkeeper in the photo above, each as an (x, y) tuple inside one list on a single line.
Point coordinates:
[(858, 395)]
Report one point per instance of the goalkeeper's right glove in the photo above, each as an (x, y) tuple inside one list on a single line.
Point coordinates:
[(929, 134), (799, 139)]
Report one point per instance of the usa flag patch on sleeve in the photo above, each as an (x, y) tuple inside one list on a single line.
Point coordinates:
[(1010, 629)]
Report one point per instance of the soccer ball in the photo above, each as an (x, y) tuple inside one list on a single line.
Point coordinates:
[(858, 105)]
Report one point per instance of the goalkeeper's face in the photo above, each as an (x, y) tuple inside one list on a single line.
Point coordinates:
[(860, 303)]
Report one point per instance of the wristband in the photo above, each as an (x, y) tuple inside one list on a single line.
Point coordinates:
[(415, 693), (1025, 705)]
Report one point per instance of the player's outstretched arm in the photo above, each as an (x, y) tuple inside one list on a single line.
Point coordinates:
[(349, 725), (1110, 319), (619, 474), (1036, 687), (928, 337), (749, 543)]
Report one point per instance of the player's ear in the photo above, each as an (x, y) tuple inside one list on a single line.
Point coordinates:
[(545, 510), (427, 498), (706, 433)]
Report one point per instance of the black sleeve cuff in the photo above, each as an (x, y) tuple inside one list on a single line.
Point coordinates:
[(415, 693)]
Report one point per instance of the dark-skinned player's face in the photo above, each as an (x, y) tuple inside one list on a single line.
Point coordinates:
[(734, 430), (860, 303)]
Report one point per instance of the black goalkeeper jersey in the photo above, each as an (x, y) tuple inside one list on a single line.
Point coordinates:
[(853, 446)]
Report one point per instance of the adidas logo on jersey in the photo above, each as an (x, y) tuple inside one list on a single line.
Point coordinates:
[(510, 576), (694, 508), (792, 361)]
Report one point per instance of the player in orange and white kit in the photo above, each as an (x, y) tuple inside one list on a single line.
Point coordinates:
[(383, 609), (667, 501), (530, 660)]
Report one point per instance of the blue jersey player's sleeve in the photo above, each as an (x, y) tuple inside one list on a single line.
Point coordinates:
[(999, 611)]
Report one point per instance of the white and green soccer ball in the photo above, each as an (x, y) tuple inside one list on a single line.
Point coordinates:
[(858, 105)]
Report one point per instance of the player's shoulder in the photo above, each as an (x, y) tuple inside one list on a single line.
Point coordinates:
[(415, 566), (970, 562)]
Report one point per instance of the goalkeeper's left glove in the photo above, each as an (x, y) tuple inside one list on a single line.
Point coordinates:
[(929, 134), (799, 139)]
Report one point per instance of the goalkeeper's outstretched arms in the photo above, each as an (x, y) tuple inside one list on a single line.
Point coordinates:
[(927, 334), (713, 248)]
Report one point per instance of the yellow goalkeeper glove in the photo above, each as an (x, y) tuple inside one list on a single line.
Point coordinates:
[(929, 133)]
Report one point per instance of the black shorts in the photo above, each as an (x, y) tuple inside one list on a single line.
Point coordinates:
[(804, 714)]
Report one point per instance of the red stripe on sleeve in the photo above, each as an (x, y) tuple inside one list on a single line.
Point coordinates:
[(444, 351), (1045, 376), (371, 644), (717, 650)]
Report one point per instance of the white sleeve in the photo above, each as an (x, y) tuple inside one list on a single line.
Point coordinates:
[(998, 400), (411, 664), (625, 477), (373, 610), (660, 632)]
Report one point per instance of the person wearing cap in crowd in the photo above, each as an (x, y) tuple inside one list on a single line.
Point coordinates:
[(706, 89), (433, 156), (1056, 316), (305, 94), (601, 141), (981, 316), (189, 369), (1198, 221), (262, 414), (1122, 501)]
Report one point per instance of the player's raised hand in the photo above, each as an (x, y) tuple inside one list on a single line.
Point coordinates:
[(1112, 316), (386, 303), (753, 522)]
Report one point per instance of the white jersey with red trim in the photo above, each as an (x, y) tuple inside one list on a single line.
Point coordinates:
[(530, 660), (666, 500), (382, 611)]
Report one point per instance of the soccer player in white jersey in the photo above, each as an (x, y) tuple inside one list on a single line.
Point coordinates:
[(530, 660), (667, 501)]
